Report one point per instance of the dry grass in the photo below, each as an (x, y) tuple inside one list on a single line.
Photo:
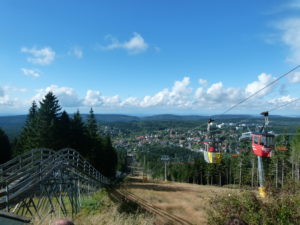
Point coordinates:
[(188, 201), (101, 210)]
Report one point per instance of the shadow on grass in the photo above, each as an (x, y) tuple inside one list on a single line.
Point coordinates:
[(156, 187), (124, 205)]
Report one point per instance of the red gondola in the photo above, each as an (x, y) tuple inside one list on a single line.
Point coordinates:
[(263, 142)]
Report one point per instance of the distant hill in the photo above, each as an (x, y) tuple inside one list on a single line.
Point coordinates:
[(173, 117), (13, 124), (114, 117)]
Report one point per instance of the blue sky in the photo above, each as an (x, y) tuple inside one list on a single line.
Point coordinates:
[(149, 57)]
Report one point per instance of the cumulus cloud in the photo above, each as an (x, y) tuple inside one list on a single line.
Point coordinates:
[(217, 95), (76, 51), (66, 95), (177, 96), (263, 80), (131, 101), (93, 98), (31, 72), (282, 100), (43, 56), (135, 45)]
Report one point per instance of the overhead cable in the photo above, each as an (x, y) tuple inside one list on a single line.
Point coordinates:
[(297, 99), (268, 85)]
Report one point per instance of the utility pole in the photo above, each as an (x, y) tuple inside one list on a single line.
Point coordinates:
[(165, 170), (282, 173), (252, 173), (276, 174), (261, 189), (165, 158), (240, 173)]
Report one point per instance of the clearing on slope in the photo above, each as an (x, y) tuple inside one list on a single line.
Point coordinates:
[(187, 201)]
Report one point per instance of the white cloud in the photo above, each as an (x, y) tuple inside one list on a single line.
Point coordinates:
[(134, 45), (282, 100), (76, 51), (112, 101), (66, 95), (31, 72), (177, 96), (93, 98), (216, 96), (294, 77), (263, 80), (131, 101), (291, 37), (6, 100), (14, 89), (43, 56), (180, 97)]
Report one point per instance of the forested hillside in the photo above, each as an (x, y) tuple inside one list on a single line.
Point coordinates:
[(47, 126)]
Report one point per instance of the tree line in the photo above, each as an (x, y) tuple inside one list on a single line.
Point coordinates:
[(47, 126), (235, 169)]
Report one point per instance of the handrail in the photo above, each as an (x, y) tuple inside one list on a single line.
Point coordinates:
[(23, 173)]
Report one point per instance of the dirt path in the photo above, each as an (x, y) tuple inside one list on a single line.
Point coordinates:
[(187, 201)]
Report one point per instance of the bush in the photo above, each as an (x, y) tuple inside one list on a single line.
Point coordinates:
[(95, 203), (281, 209)]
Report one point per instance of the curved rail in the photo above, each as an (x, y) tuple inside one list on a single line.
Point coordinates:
[(168, 217)]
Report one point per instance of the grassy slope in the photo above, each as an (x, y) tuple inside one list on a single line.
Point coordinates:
[(100, 209), (187, 201)]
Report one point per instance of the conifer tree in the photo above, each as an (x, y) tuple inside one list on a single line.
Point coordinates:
[(92, 127), (5, 148), (110, 159), (64, 131), (49, 113), (94, 141), (28, 138), (78, 135)]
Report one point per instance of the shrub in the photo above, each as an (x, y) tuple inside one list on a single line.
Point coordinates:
[(282, 209)]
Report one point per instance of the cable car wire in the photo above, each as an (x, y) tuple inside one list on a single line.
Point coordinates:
[(268, 85), (273, 109)]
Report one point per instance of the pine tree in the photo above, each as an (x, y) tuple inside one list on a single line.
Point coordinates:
[(64, 131), (110, 159), (92, 127), (78, 135), (28, 138), (94, 141), (49, 113), (5, 148)]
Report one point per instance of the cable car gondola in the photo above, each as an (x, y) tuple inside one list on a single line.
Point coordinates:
[(212, 152), (263, 142), (262, 146)]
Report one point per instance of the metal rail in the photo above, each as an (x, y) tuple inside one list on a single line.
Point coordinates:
[(168, 218), (42, 182)]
